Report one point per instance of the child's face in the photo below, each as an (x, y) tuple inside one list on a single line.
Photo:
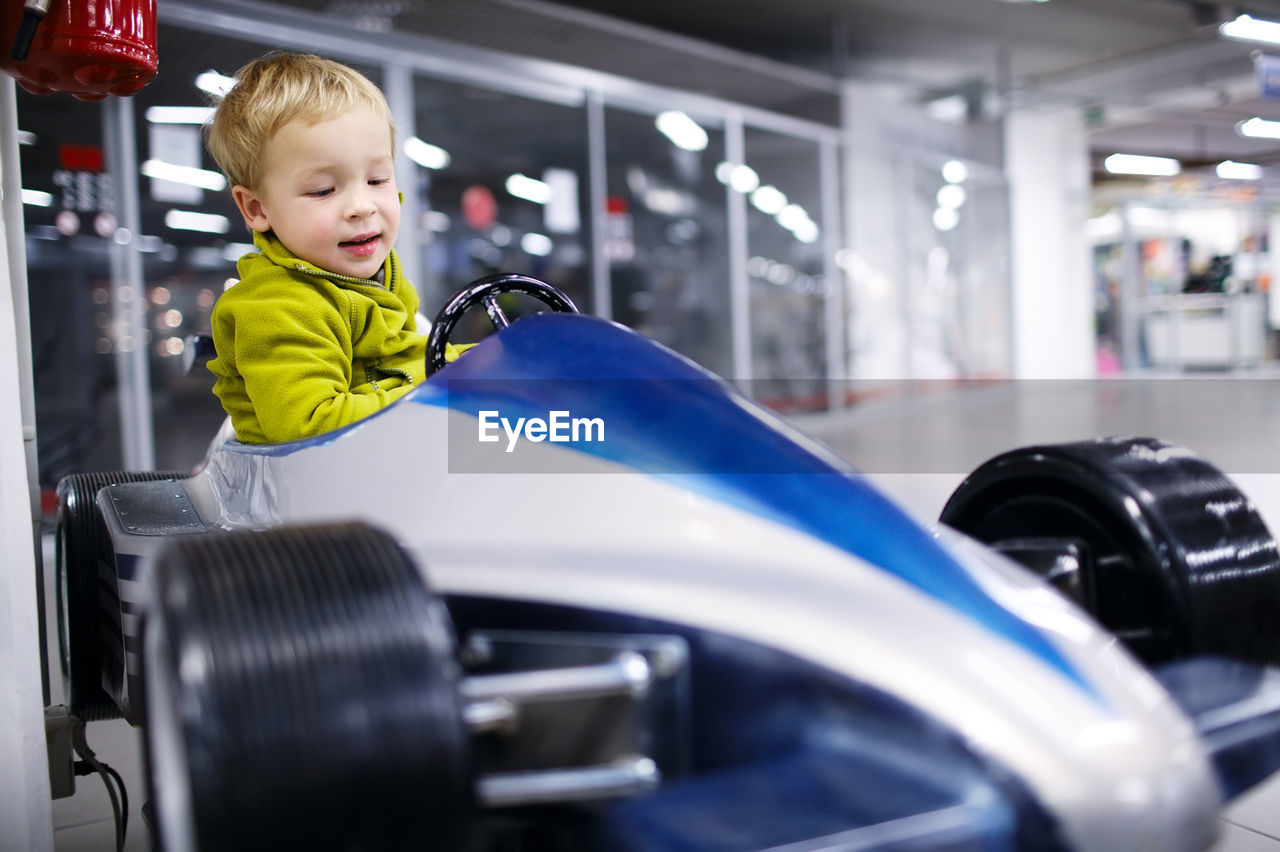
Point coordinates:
[(329, 192)]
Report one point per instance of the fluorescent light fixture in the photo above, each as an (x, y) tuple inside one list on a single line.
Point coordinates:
[(436, 222), (806, 232), (769, 199), (682, 130), (945, 218), (232, 252), (1139, 164), (792, 216), (1231, 170), (178, 114), (213, 83), (1259, 128), (425, 154), (665, 200), (530, 189), (737, 176), (536, 244), (744, 179), (1246, 28), (188, 220), (36, 198), (149, 243), (951, 109), (954, 171), (189, 175), (951, 195)]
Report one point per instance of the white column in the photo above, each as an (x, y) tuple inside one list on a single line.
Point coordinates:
[(1047, 162), (872, 258), (398, 86), (26, 815)]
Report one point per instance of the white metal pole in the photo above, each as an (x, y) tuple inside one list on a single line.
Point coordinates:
[(739, 286), (397, 82), (128, 290), (26, 813), (598, 197)]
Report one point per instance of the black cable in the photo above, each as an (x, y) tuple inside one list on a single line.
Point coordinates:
[(124, 802), (92, 764)]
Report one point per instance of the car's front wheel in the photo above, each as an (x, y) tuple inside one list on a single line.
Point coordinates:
[(301, 694)]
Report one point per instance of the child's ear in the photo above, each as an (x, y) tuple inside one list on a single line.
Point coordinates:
[(250, 206)]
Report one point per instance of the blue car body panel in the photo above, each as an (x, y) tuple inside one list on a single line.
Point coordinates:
[(668, 417)]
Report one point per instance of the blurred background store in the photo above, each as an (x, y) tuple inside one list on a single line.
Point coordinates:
[(811, 199)]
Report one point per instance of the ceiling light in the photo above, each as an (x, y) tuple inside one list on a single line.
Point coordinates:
[(952, 109), (437, 222), (793, 216), (425, 154), (1231, 170), (36, 198), (232, 252), (1138, 164), (951, 195), (806, 232), (945, 218), (738, 176), (682, 130), (203, 178), (530, 189), (213, 83), (744, 179), (954, 171), (769, 199), (1259, 128), (187, 220), (1246, 28), (178, 114), (536, 244)]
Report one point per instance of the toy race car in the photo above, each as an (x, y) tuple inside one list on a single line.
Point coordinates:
[(575, 592)]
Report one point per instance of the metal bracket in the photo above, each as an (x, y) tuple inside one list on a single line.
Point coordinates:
[(570, 717)]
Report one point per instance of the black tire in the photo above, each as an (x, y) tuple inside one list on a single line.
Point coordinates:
[(84, 566), (302, 694), (1181, 562)]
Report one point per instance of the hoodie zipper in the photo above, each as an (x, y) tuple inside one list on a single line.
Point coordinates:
[(363, 282), (334, 276)]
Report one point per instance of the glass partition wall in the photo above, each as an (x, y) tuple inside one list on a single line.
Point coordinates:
[(624, 196)]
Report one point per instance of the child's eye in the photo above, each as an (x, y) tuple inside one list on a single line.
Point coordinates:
[(379, 181), (320, 193)]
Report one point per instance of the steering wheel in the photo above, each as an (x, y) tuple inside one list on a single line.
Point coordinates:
[(485, 291)]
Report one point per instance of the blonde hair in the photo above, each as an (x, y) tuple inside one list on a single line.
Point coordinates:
[(274, 90)]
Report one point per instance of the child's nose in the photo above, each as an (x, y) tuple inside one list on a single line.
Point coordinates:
[(360, 204)]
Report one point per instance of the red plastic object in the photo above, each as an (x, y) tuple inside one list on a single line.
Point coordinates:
[(89, 48)]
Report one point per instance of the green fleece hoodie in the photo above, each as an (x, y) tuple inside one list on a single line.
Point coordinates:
[(303, 351)]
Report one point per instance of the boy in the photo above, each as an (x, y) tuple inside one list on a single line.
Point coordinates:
[(320, 331)]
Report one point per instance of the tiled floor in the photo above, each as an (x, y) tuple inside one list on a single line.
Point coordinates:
[(918, 446)]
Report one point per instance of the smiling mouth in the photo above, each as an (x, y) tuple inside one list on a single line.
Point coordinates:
[(360, 242)]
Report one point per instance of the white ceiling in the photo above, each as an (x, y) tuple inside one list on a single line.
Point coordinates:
[(1154, 75)]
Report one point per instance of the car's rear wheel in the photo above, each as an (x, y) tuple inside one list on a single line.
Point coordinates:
[(1177, 561), (84, 563), (302, 693)]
